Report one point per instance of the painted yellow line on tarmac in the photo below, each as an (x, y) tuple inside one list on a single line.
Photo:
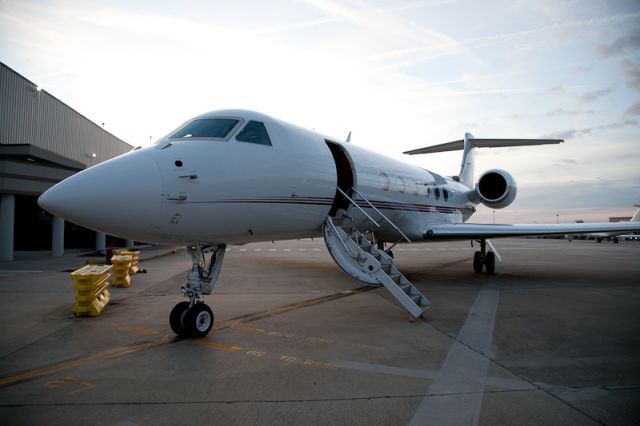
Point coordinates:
[(137, 330), (251, 330), (218, 346), (230, 323), (79, 362)]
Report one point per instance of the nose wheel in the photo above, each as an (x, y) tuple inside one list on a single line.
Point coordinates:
[(194, 318), (195, 321)]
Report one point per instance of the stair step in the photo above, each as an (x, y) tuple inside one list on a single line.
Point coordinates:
[(360, 255)]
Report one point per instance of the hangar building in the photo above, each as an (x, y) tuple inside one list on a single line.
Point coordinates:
[(43, 141)]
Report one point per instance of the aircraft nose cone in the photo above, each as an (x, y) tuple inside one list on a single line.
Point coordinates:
[(119, 197)]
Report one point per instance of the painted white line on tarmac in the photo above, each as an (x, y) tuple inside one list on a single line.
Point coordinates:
[(499, 382), (455, 395)]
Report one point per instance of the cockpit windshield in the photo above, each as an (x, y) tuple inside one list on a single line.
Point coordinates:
[(208, 128)]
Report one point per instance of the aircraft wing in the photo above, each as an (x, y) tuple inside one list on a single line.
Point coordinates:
[(466, 231)]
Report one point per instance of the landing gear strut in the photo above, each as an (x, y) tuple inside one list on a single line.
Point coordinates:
[(380, 245), (483, 258), (194, 318)]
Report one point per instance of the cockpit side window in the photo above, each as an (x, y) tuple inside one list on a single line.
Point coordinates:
[(254, 132), (208, 128)]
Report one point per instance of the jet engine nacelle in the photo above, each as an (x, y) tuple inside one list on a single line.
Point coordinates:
[(495, 189)]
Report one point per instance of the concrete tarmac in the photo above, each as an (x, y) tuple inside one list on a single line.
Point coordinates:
[(552, 338)]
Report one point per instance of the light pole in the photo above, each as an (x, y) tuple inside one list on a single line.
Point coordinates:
[(494, 217), (557, 218)]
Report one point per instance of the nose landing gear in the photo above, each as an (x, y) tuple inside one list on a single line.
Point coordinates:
[(194, 318)]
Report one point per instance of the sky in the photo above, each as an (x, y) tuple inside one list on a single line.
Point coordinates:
[(397, 74)]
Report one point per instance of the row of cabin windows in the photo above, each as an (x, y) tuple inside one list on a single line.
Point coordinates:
[(403, 185), (222, 128)]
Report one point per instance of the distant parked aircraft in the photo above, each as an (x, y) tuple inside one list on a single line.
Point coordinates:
[(613, 236)]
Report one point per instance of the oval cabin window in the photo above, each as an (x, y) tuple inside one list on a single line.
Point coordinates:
[(402, 186), (413, 186), (384, 181)]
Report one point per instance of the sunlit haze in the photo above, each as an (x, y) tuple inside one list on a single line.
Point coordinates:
[(397, 74)]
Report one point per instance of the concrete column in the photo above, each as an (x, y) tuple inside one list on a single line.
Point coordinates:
[(57, 237), (129, 243), (101, 241), (7, 223)]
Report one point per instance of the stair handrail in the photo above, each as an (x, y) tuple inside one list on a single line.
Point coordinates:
[(379, 212), (358, 207), (335, 231)]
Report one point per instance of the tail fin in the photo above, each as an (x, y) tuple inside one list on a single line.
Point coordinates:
[(466, 175), (636, 215)]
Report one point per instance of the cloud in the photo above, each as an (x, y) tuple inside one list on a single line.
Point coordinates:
[(467, 126), (517, 116), (422, 4), (621, 44), (592, 96), (372, 19), (569, 134), (619, 124), (564, 162), (557, 89), (587, 131), (572, 112), (454, 46), (581, 69), (503, 93), (632, 71), (297, 26), (634, 109)]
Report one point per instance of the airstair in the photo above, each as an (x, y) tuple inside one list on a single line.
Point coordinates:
[(361, 259)]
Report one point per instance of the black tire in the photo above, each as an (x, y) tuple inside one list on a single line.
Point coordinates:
[(477, 263), (176, 318), (198, 320), (490, 263)]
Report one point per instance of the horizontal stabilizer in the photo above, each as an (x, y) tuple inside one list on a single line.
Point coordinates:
[(481, 143)]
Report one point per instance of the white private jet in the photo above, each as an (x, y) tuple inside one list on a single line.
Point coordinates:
[(236, 177)]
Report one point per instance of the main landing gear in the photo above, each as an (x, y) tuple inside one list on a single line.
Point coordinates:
[(380, 245), (194, 318), (484, 258)]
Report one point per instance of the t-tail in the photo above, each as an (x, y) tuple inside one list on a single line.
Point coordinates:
[(468, 145)]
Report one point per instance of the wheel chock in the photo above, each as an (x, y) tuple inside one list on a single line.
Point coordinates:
[(121, 265), (91, 282), (135, 257)]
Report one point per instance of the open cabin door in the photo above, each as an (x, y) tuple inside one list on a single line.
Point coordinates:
[(354, 250), (346, 178)]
